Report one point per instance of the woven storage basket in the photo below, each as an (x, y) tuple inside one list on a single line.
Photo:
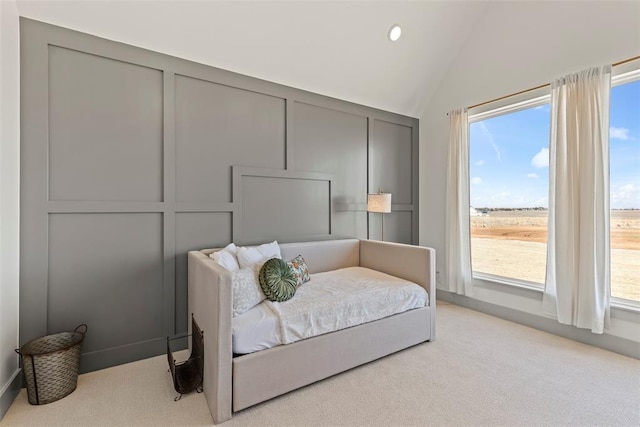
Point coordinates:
[(50, 365)]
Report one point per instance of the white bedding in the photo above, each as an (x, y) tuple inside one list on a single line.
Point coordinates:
[(257, 329), (329, 302)]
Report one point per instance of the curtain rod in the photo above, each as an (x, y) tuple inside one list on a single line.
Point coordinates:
[(542, 86)]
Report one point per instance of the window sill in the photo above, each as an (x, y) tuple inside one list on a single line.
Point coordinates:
[(508, 281), (511, 285), (625, 305)]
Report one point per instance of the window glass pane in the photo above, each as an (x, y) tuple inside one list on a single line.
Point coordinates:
[(624, 183), (509, 182)]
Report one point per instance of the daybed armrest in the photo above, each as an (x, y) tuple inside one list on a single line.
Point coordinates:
[(414, 263), (210, 301)]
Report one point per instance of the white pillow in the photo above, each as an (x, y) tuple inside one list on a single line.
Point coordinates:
[(246, 289), (227, 257), (250, 255), (225, 260), (231, 248)]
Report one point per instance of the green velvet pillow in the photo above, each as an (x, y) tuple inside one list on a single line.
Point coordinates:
[(277, 280)]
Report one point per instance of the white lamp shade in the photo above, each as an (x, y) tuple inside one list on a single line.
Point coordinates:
[(380, 202)]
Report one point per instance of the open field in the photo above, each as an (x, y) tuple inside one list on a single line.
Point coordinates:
[(513, 244)]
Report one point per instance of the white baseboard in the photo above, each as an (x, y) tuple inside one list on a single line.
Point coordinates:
[(9, 391)]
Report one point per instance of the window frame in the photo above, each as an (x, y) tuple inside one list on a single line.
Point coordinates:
[(623, 74), (477, 114), (531, 99)]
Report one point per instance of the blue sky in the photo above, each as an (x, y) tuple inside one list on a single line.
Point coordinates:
[(509, 155)]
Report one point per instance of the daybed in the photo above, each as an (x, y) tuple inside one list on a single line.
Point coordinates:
[(232, 383)]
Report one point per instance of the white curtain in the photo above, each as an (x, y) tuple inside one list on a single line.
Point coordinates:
[(577, 288), (457, 239)]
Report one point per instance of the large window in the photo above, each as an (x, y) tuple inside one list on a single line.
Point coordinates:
[(509, 186), (624, 152), (509, 179)]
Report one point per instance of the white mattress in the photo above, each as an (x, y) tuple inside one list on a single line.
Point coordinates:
[(256, 329), (329, 302)]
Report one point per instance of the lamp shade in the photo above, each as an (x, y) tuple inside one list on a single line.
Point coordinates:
[(380, 202)]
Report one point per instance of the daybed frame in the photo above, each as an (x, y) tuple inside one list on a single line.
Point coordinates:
[(234, 383)]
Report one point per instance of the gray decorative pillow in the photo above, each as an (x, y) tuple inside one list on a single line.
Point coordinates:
[(277, 280)]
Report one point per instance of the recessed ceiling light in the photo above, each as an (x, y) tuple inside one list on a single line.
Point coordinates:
[(395, 32)]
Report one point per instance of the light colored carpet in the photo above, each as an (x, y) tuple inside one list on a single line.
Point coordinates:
[(481, 371)]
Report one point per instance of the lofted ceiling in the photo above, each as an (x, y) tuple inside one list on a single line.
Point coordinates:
[(336, 48)]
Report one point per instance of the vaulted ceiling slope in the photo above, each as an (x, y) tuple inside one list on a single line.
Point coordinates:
[(336, 48)]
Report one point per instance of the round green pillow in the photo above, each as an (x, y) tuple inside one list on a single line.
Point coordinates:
[(277, 280)]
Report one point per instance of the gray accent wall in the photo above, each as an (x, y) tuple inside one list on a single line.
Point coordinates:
[(130, 158)]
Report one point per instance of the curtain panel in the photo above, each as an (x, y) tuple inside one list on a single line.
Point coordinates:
[(457, 235), (577, 286)]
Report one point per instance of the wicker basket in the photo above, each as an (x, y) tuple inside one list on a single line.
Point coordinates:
[(50, 365)]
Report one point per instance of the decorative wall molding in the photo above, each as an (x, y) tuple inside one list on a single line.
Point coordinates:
[(130, 158)]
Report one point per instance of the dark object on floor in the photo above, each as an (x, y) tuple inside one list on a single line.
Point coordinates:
[(50, 365), (187, 375)]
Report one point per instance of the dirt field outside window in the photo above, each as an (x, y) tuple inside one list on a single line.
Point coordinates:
[(513, 243)]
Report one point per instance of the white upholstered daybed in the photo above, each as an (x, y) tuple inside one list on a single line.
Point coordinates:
[(234, 383)]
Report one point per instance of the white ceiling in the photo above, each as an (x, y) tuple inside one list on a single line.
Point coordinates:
[(336, 48)]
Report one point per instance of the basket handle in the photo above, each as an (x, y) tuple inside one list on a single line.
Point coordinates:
[(86, 328)]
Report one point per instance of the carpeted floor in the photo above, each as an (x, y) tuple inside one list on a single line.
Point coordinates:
[(481, 371)]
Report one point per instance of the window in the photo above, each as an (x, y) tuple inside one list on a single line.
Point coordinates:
[(624, 184), (509, 179), (509, 186)]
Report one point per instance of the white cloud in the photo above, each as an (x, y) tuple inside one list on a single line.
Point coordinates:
[(486, 132), (619, 133), (533, 175), (544, 107), (477, 180), (625, 196), (541, 160), (542, 202), (503, 196), (480, 163), (485, 196), (506, 199)]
